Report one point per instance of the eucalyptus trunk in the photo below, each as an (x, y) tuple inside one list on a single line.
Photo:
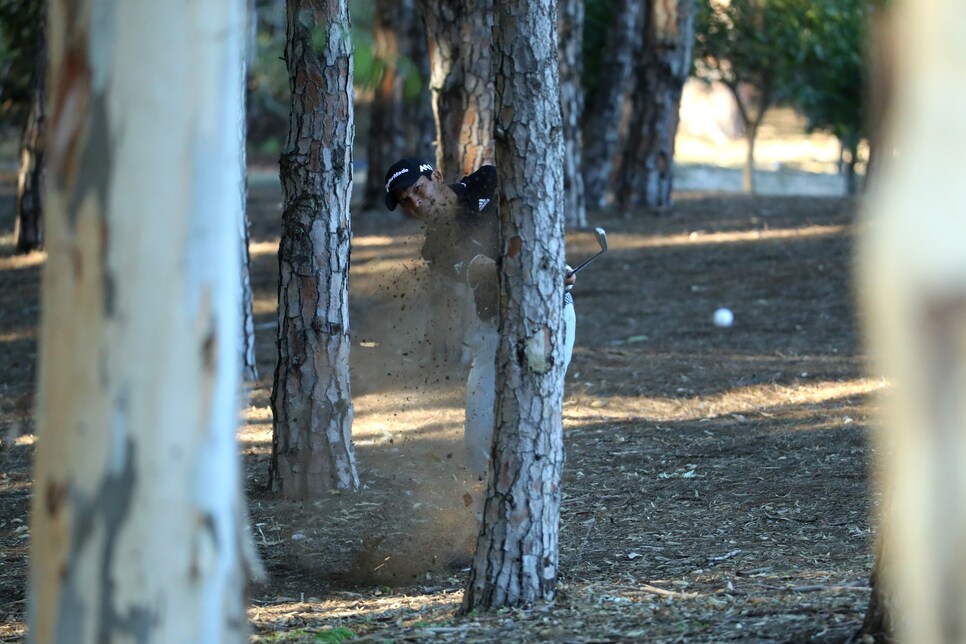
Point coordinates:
[(517, 550), (912, 283), (312, 451), (136, 528)]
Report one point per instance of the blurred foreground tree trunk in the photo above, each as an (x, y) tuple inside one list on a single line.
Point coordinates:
[(570, 30), (28, 229), (518, 547), (603, 114), (460, 36), (663, 65), (136, 517), (912, 279), (401, 101), (311, 400)]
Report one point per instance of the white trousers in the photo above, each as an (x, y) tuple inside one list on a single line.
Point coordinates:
[(481, 389)]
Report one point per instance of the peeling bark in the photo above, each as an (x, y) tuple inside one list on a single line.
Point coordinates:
[(136, 531)]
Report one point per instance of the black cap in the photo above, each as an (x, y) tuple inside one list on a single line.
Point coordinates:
[(403, 174)]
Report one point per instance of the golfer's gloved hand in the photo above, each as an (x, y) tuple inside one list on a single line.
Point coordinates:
[(570, 278)]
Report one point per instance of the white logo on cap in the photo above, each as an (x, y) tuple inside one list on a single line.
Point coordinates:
[(395, 176), (425, 167)]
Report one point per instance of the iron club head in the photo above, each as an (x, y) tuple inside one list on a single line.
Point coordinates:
[(601, 237), (602, 240)]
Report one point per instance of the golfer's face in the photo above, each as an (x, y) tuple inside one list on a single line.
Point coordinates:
[(418, 200)]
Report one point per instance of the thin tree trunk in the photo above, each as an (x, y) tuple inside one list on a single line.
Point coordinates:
[(29, 223), (850, 153), (312, 441), (601, 131), (248, 363), (517, 550), (570, 33), (748, 169), (663, 67), (460, 36), (136, 510)]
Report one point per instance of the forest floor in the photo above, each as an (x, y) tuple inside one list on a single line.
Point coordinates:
[(717, 482)]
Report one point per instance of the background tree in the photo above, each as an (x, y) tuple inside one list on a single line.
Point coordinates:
[(517, 550), (137, 498), (460, 36), (570, 30), (611, 36), (663, 64), (829, 85), (23, 68), (28, 228), (249, 366), (400, 114), (21, 32), (311, 403), (752, 47)]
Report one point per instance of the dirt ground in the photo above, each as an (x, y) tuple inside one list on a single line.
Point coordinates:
[(717, 479)]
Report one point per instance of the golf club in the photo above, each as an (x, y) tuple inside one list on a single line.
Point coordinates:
[(602, 240)]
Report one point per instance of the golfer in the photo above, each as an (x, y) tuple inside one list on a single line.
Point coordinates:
[(462, 245)]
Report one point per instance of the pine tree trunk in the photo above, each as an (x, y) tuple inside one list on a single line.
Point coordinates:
[(570, 33), (312, 441), (395, 124), (136, 531), (29, 223), (663, 67), (600, 131), (517, 550), (460, 36), (249, 365)]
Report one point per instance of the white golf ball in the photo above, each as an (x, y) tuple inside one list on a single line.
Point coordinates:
[(723, 318)]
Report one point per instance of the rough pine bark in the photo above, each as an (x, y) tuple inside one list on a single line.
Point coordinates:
[(460, 34), (249, 365), (136, 531), (663, 66), (30, 179), (570, 30), (312, 449), (912, 283), (605, 104), (517, 550)]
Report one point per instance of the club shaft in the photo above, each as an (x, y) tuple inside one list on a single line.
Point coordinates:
[(574, 272)]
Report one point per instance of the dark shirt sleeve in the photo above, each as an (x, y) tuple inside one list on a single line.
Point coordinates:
[(450, 246)]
